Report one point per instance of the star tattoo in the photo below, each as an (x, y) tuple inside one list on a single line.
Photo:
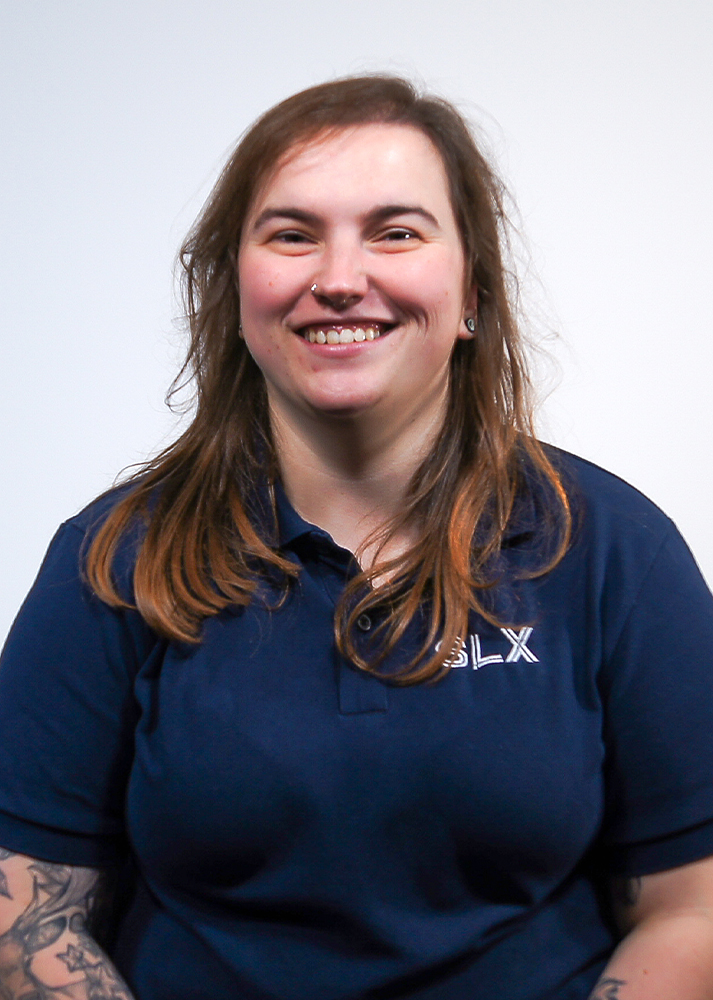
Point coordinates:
[(74, 959)]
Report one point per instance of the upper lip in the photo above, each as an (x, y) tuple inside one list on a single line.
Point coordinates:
[(345, 322)]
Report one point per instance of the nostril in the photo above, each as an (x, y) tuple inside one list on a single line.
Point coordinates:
[(336, 299)]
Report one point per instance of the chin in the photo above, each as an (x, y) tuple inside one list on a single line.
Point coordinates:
[(346, 404), (341, 410)]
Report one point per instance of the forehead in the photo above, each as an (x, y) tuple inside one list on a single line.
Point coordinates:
[(377, 161)]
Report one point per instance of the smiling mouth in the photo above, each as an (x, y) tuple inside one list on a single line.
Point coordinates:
[(345, 334)]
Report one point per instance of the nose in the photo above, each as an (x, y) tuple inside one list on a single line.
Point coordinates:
[(341, 281), (337, 300)]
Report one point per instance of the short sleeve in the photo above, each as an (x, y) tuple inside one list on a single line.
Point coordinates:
[(67, 715), (657, 689)]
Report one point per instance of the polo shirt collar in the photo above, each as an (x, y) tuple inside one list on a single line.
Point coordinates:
[(290, 526)]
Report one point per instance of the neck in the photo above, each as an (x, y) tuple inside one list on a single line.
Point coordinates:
[(351, 477)]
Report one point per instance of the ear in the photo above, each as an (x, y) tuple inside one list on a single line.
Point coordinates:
[(470, 315)]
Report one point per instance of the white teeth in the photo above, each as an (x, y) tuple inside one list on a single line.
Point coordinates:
[(347, 335)]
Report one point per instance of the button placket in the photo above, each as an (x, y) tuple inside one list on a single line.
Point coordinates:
[(358, 692)]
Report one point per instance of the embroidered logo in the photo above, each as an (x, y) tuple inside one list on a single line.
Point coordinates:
[(469, 653)]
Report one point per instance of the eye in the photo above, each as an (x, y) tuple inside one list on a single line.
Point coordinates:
[(290, 236), (400, 234), (398, 238), (291, 241)]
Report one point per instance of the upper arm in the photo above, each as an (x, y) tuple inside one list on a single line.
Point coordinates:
[(688, 888), (67, 716)]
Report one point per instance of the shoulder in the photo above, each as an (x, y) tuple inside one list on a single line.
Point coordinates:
[(90, 518), (610, 519), (84, 526), (65, 560), (61, 611), (625, 550), (604, 502)]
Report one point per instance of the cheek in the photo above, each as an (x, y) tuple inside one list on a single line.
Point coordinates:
[(262, 285), (430, 285), (265, 352)]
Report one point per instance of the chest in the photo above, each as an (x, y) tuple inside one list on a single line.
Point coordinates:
[(262, 747)]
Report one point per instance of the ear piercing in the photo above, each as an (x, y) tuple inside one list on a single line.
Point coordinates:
[(470, 324)]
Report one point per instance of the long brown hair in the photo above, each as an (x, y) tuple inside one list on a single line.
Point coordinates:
[(206, 546)]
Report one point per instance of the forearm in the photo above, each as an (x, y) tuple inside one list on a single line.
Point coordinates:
[(46, 949), (667, 957)]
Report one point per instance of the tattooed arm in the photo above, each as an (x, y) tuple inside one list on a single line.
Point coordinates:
[(667, 949), (46, 949)]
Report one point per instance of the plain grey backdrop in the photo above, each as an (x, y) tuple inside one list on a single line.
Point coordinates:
[(116, 117)]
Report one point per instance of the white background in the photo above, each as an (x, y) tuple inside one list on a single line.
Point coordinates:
[(117, 116)]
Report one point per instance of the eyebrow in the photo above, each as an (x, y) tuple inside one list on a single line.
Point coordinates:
[(379, 214), (389, 211), (285, 213)]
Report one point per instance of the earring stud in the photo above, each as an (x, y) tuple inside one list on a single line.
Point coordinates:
[(470, 324)]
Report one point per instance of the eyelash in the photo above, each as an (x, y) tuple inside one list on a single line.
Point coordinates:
[(290, 236), (396, 234), (400, 234)]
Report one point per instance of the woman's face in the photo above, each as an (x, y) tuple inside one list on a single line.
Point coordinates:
[(365, 216)]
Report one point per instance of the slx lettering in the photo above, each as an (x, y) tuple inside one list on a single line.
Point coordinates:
[(469, 653)]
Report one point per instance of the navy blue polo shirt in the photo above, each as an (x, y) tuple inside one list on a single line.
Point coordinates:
[(300, 829)]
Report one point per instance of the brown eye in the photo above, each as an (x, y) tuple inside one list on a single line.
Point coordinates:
[(397, 238), (291, 237), (400, 235)]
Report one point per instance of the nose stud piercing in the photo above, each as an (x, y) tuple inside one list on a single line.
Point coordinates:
[(470, 324), (336, 301)]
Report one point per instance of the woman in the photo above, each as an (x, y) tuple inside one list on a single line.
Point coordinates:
[(364, 691)]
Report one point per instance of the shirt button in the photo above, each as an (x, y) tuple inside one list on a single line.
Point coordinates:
[(364, 623)]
